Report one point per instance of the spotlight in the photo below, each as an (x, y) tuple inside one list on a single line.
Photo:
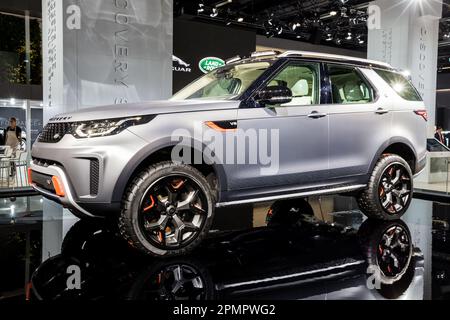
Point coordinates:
[(279, 29), (240, 19), (349, 36), (329, 37), (360, 39), (222, 3), (214, 13), (295, 25), (333, 13), (201, 8), (12, 101)]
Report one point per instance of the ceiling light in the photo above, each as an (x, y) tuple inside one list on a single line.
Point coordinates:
[(12, 101), (214, 13), (222, 3)]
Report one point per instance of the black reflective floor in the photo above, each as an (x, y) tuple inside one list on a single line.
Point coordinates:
[(329, 253)]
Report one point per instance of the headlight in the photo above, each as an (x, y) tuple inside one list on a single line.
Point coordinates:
[(106, 127)]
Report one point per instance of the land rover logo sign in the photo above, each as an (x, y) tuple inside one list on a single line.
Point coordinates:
[(210, 63)]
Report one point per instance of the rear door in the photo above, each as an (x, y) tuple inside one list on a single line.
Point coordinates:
[(360, 122)]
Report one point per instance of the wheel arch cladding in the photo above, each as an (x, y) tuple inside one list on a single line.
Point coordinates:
[(151, 155), (399, 146)]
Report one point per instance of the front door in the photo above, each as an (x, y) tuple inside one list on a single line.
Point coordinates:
[(299, 135)]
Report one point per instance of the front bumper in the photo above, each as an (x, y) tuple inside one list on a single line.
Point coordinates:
[(67, 198), (87, 169)]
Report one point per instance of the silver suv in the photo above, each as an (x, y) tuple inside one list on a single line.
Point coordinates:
[(333, 125)]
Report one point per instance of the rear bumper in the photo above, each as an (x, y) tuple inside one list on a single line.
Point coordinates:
[(420, 165)]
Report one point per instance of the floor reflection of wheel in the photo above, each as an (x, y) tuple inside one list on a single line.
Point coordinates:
[(167, 209), (388, 249), (389, 192), (173, 280), (288, 212)]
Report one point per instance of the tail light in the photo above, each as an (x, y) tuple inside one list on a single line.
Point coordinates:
[(422, 113)]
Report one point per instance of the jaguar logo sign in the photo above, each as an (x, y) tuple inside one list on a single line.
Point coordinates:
[(179, 65), (210, 63)]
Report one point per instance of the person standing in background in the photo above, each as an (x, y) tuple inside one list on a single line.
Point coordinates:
[(439, 136), (13, 137)]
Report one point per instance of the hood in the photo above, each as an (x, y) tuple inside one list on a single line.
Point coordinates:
[(144, 108)]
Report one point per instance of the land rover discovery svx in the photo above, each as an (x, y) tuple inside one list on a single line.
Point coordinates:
[(333, 125)]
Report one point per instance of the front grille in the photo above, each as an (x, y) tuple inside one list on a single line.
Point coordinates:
[(94, 176), (45, 163), (54, 132)]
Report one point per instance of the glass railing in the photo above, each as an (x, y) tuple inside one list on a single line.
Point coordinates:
[(13, 170), (436, 176)]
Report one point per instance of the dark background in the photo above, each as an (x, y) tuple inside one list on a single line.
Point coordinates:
[(193, 41)]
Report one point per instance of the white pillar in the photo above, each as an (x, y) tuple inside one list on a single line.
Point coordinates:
[(407, 38), (103, 52)]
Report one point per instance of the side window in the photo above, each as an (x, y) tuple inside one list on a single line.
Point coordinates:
[(400, 84), (348, 86), (302, 79)]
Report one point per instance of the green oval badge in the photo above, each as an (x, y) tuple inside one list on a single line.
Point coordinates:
[(210, 63)]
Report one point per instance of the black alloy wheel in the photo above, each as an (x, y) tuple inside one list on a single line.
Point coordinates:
[(395, 188), (173, 211), (167, 209)]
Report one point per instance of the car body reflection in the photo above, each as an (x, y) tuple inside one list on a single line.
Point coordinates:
[(306, 260)]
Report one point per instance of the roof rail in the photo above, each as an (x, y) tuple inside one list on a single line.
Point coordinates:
[(333, 57)]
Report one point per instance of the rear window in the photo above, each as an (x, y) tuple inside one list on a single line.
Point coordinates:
[(400, 84)]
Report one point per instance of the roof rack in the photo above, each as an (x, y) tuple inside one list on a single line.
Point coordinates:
[(333, 57)]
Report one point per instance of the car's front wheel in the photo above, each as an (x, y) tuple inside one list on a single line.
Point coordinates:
[(389, 191), (167, 209)]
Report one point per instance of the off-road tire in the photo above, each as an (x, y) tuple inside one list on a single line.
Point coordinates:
[(128, 218), (369, 200)]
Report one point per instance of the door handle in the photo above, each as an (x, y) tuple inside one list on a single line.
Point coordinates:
[(381, 111), (316, 115)]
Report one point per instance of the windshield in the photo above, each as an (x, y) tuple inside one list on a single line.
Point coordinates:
[(224, 83)]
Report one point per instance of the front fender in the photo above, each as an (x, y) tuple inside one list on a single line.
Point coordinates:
[(152, 148)]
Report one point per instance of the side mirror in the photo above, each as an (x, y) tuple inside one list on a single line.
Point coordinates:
[(274, 95)]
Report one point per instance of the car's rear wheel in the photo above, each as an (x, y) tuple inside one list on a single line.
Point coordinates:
[(167, 210), (390, 189)]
